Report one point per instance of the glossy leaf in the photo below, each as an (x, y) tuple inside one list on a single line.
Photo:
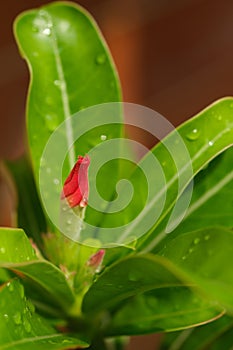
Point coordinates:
[(209, 205), (71, 69), (215, 335), (205, 255), (147, 294), (162, 310), (22, 329), (213, 134), (18, 256)]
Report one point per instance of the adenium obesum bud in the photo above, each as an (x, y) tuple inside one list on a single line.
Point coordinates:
[(95, 261), (76, 189)]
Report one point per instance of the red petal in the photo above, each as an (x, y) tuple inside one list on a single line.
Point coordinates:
[(75, 188)]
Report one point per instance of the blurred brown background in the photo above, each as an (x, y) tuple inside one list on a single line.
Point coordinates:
[(174, 56)]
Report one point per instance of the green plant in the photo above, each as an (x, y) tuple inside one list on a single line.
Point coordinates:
[(59, 294)]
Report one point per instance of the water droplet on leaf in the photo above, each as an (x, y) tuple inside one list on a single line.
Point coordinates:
[(210, 143), (56, 181), (59, 83), (30, 306), (46, 31), (21, 291), (35, 29), (2, 250), (193, 135), (103, 137), (51, 122), (10, 286), (100, 59), (133, 276), (196, 240), (6, 317), (27, 326), (17, 318)]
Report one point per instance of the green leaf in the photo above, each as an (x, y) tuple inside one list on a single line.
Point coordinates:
[(30, 214), (215, 335), (4, 275), (204, 255), (209, 205), (18, 256), (213, 134), (22, 329), (147, 294), (162, 310), (71, 69)]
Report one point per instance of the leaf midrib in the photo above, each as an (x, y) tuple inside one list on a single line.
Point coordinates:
[(64, 93), (28, 340)]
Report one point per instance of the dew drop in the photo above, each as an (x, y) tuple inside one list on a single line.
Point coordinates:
[(30, 306), (56, 181), (184, 257), (46, 31), (51, 122), (42, 162), (207, 237), (64, 26), (190, 250), (103, 137), (133, 276), (193, 135), (27, 326), (35, 29), (210, 143), (17, 318), (83, 202), (6, 317), (2, 250), (100, 59), (21, 291), (59, 83), (11, 287), (196, 240)]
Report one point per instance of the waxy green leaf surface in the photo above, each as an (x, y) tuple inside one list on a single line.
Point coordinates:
[(18, 255), (21, 328)]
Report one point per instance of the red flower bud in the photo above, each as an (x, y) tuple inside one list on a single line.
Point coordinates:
[(76, 189), (96, 260)]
